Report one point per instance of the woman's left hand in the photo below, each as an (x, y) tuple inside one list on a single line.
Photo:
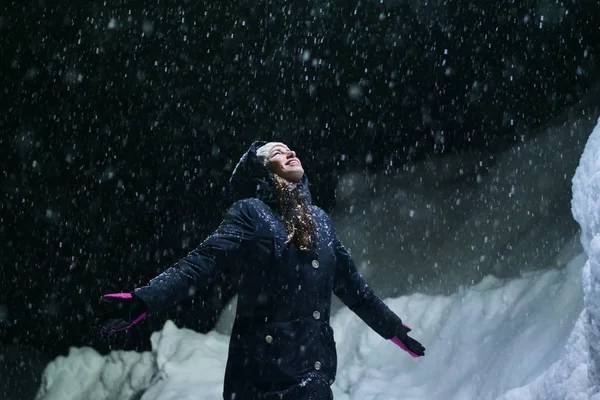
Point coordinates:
[(408, 344)]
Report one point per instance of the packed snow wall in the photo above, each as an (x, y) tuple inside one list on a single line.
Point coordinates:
[(586, 210)]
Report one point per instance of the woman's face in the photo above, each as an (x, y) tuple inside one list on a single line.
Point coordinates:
[(283, 162)]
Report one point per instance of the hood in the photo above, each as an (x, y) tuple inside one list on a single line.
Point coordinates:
[(250, 178)]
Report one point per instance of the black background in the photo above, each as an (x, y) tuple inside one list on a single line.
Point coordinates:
[(121, 123)]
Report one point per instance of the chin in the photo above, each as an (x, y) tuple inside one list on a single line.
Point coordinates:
[(295, 176)]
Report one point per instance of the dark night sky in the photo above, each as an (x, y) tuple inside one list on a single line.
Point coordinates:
[(122, 121)]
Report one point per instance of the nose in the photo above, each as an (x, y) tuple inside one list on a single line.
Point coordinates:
[(291, 154)]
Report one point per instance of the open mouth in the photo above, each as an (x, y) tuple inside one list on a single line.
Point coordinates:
[(293, 161)]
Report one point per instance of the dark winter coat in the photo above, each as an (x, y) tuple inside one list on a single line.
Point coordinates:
[(282, 345)]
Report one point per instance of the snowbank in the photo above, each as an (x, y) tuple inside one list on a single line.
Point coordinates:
[(481, 342)]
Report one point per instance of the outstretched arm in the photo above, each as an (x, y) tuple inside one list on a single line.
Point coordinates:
[(199, 269), (352, 289)]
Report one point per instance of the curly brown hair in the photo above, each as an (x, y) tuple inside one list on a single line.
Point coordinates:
[(295, 210)]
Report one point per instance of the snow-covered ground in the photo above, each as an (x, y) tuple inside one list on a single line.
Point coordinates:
[(481, 342), (533, 336)]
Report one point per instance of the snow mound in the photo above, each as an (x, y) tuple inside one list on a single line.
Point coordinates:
[(85, 374), (480, 342)]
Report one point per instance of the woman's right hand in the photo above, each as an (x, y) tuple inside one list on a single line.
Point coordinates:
[(119, 311)]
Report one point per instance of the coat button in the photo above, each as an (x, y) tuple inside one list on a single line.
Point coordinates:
[(315, 264), (316, 315), (317, 365), (269, 339)]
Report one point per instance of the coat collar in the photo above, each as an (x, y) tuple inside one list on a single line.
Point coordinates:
[(250, 178)]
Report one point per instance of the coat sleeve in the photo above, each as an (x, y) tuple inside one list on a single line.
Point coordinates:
[(200, 268), (351, 288)]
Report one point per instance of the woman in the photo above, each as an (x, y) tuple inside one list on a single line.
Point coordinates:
[(284, 255)]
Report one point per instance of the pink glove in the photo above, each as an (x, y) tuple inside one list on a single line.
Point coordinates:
[(120, 311), (408, 344)]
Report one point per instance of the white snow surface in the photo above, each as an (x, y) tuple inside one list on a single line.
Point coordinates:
[(481, 342), (536, 336)]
